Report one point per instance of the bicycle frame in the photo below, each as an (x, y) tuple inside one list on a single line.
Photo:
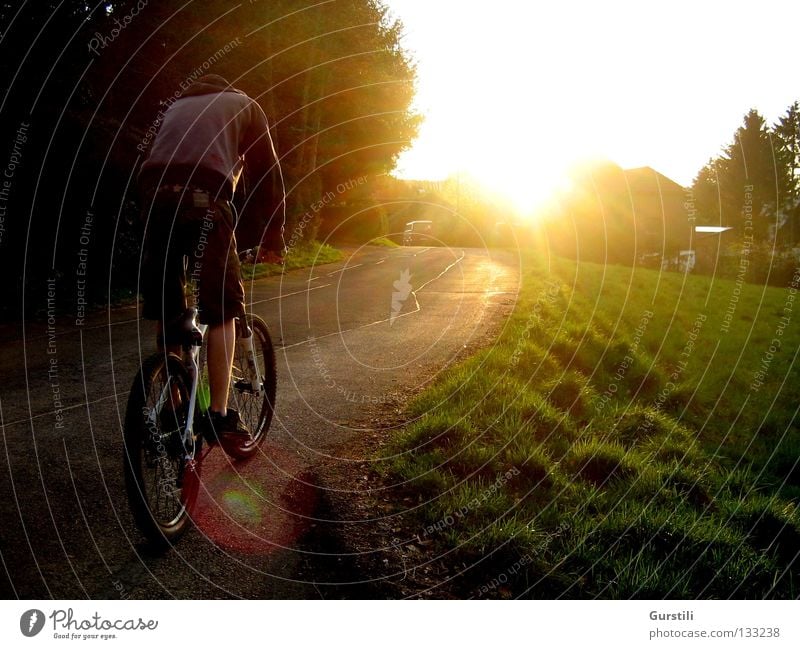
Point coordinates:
[(193, 362), (193, 354)]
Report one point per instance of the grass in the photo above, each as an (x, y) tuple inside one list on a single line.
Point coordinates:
[(615, 442), (302, 256), (385, 242)]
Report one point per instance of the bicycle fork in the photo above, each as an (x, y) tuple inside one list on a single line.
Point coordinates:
[(193, 365), (246, 335)]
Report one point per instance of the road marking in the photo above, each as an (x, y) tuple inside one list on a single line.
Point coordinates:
[(53, 412), (136, 306), (341, 270), (280, 297), (372, 324), (124, 322)]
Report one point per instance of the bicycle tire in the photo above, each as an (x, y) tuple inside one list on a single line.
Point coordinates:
[(161, 506), (256, 411)]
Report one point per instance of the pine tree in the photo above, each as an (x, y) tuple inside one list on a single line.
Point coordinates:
[(706, 191), (787, 134), (750, 183)]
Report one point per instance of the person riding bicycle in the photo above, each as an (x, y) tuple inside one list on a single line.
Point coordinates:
[(207, 138)]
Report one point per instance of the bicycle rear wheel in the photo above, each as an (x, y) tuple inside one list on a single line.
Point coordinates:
[(160, 483), (253, 389)]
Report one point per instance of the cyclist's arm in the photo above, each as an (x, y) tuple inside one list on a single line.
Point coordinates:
[(264, 209)]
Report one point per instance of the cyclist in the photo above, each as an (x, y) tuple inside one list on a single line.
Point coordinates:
[(196, 161)]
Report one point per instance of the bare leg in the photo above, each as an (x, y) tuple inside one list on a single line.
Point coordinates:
[(221, 339)]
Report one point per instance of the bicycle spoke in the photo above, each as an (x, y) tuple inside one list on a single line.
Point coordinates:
[(154, 424)]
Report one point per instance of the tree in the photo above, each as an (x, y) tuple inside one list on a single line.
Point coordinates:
[(787, 136), (706, 191), (745, 186), (750, 182), (332, 77)]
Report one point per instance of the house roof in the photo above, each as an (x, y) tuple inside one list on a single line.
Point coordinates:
[(647, 179)]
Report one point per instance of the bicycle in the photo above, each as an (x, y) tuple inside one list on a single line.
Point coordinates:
[(166, 421)]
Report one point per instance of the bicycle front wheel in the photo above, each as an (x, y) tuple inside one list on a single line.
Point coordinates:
[(253, 385), (160, 483)]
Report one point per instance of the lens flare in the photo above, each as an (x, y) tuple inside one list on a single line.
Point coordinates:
[(241, 507)]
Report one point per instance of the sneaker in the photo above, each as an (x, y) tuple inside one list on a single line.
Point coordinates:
[(230, 426)]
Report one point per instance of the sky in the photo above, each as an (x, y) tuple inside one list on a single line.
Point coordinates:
[(514, 91)]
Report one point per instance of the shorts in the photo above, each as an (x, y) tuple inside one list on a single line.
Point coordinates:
[(189, 235)]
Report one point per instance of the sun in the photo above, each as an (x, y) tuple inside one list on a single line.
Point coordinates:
[(522, 170), (493, 128)]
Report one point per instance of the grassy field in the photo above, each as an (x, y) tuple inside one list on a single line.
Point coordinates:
[(302, 256), (631, 434)]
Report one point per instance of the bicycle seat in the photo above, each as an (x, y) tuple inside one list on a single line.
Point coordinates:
[(183, 330)]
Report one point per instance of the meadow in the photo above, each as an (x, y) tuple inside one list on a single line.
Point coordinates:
[(631, 434)]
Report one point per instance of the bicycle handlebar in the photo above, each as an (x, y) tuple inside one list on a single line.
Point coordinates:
[(251, 255), (246, 255)]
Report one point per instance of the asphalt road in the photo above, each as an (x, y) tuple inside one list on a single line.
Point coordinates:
[(355, 340)]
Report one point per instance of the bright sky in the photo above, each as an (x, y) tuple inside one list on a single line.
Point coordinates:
[(515, 90)]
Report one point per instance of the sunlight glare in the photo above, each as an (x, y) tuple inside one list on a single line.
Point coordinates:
[(514, 94)]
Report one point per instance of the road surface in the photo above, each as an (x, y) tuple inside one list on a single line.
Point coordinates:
[(354, 340)]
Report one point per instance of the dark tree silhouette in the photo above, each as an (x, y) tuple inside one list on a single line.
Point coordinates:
[(91, 79)]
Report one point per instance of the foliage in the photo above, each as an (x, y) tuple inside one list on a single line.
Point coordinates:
[(91, 80), (753, 185), (306, 255)]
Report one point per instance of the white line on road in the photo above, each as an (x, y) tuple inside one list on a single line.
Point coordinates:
[(82, 404), (372, 324), (280, 297), (124, 322), (341, 270)]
